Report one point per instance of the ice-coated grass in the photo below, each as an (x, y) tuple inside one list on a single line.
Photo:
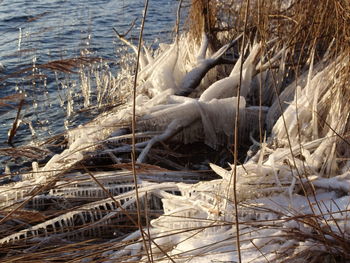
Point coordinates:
[(292, 189)]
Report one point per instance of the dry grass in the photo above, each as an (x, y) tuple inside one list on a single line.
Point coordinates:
[(301, 26), (304, 27)]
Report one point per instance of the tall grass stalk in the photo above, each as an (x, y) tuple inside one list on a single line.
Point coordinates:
[(236, 134), (133, 130)]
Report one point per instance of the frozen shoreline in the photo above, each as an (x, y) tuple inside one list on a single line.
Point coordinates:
[(293, 189)]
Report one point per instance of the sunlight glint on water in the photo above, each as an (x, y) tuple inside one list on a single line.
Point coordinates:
[(36, 32)]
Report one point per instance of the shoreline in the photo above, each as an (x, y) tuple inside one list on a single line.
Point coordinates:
[(288, 193)]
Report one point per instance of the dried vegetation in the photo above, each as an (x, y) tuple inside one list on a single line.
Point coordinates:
[(292, 185)]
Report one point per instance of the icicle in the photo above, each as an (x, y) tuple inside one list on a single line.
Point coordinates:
[(227, 87), (149, 56), (193, 78)]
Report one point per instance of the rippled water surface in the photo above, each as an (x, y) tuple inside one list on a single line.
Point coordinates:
[(34, 32)]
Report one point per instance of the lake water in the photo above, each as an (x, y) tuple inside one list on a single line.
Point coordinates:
[(34, 32)]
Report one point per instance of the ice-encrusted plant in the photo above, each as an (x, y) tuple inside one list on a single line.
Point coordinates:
[(292, 190), (162, 113), (290, 209)]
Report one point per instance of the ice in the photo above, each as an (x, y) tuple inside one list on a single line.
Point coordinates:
[(293, 188)]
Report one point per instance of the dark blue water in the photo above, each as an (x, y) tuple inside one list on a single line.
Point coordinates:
[(34, 32)]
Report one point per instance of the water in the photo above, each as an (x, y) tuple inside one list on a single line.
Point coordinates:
[(34, 32)]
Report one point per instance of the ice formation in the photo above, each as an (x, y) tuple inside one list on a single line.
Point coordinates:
[(285, 193), (293, 194)]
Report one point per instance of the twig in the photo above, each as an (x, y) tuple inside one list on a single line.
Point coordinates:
[(235, 152), (133, 128), (267, 260), (15, 123), (177, 28), (128, 31), (148, 231), (122, 38)]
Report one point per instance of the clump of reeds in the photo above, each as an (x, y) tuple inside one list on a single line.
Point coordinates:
[(312, 33), (305, 28), (301, 25), (202, 16)]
